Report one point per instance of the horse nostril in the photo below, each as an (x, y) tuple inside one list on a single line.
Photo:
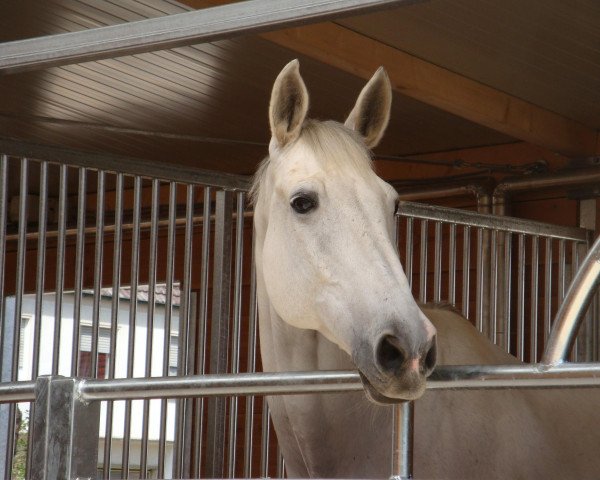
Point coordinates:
[(389, 354), (430, 357)]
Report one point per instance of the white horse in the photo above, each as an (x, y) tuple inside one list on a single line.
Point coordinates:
[(332, 295)]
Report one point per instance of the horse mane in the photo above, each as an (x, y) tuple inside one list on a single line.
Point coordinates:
[(335, 145)]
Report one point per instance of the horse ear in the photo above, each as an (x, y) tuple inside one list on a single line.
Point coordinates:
[(371, 113), (289, 104)]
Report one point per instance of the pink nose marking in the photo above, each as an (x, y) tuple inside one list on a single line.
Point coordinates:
[(414, 364)]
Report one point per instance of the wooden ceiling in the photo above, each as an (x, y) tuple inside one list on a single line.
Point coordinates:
[(466, 73)]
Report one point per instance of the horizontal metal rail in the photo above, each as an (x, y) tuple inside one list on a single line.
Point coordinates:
[(479, 220), (455, 377), (126, 165), (171, 31)]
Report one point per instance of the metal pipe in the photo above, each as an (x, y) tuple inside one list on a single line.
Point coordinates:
[(479, 220), (452, 265), (60, 266), (150, 321), (547, 289), (409, 250), (98, 256), (41, 266), (402, 441), (521, 299), (423, 261), (573, 308), (265, 431), (172, 31), (79, 256), (533, 298), (466, 269), (459, 377), (437, 264)]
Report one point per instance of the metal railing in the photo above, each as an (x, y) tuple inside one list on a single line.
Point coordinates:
[(109, 210)]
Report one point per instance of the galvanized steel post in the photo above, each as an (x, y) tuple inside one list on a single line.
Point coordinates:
[(65, 440)]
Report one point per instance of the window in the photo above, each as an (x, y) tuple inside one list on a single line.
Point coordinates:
[(85, 352)]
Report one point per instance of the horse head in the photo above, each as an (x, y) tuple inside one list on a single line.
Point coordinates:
[(329, 259)]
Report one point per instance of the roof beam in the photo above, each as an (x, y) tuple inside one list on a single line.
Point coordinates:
[(411, 76), (177, 30)]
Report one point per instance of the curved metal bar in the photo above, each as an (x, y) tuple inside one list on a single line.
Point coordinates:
[(573, 308)]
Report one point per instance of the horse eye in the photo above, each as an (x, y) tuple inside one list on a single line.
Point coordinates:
[(303, 203)]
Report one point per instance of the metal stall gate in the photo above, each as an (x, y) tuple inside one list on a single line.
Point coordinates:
[(121, 269)]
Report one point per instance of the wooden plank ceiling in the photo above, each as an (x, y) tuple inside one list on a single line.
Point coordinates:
[(206, 104)]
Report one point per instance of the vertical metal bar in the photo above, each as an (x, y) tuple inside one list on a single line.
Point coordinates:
[(98, 256), (154, 209), (494, 288), (452, 264), (39, 288), (409, 250), (19, 288), (280, 464), (423, 262), (521, 300), (576, 354), (60, 266), (437, 264), (265, 431), (562, 271), (479, 294), (533, 321), (220, 329), (168, 325), (466, 270), (202, 328), (5, 464), (135, 260), (507, 288), (235, 334), (79, 256), (547, 289), (249, 424), (41, 266), (114, 318), (402, 441), (185, 363)]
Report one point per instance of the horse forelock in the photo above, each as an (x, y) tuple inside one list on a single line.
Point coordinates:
[(336, 147)]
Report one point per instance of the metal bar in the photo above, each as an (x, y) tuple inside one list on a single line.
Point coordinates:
[(126, 165), (41, 266), (507, 289), (135, 260), (150, 321), (547, 289), (423, 262), (114, 319), (19, 280), (452, 264), (220, 329), (98, 256), (479, 294), (5, 464), (533, 320), (79, 257), (573, 308), (409, 250), (500, 223), (172, 31), (493, 333), (168, 327), (202, 328), (466, 269), (562, 270), (60, 266), (251, 366), (402, 441), (14, 392), (521, 299), (573, 271), (291, 383), (265, 431), (236, 331), (437, 264), (185, 362)]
